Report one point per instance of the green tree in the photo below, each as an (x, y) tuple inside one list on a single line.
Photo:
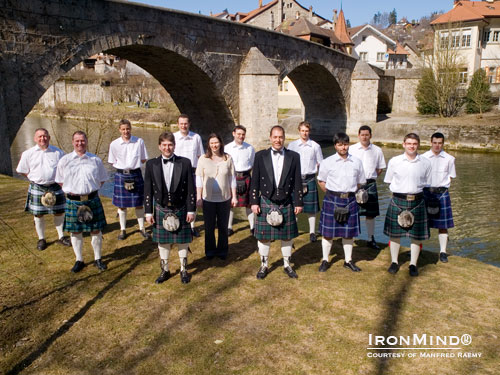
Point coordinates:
[(426, 93), (393, 17), (478, 98)]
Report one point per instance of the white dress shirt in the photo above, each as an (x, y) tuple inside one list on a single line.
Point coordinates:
[(372, 158), (127, 155), (310, 155), (189, 146), (40, 165), (243, 155), (277, 160), (81, 175), (407, 176), (342, 175), (442, 168), (167, 170)]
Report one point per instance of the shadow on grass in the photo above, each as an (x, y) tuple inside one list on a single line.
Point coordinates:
[(43, 347)]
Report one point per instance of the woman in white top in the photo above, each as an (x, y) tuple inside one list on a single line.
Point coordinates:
[(216, 192)]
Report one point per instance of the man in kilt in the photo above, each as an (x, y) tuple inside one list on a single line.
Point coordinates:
[(39, 164), (310, 158), (373, 163), (81, 174), (126, 154), (170, 193), (243, 156), (188, 145), (340, 175), (276, 189), (442, 171), (406, 216)]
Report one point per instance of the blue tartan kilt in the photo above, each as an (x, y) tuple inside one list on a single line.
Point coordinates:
[(418, 231), (244, 199), (181, 235), (445, 219), (128, 198), (329, 227), (71, 223), (311, 199), (34, 200), (286, 231), (370, 208)]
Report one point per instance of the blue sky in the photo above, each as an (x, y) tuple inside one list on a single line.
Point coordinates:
[(357, 11)]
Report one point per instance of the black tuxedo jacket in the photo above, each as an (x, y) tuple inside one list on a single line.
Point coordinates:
[(182, 188), (262, 182)]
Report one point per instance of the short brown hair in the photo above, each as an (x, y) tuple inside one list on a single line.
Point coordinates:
[(304, 123), (124, 121), (277, 127), (412, 136), (42, 130), (79, 132), (166, 136), (239, 127), (183, 115)]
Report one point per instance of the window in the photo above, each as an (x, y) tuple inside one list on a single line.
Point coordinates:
[(444, 41), (380, 56), (466, 39), (363, 56), (462, 73), (495, 36), (455, 40), (486, 36), (363, 38), (491, 72)]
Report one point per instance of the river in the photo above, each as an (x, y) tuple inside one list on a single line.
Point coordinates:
[(477, 230)]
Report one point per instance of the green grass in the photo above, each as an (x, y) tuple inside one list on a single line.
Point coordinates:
[(120, 322)]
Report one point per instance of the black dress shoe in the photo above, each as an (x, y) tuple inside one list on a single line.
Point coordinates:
[(195, 232), (41, 244), (413, 270), (312, 237), (145, 234), (122, 235), (64, 240), (100, 265), (443, 257), (262, 273), (185, 277), (79, 265), (230, 232), (323, 266), (352, 266), (373, 244), (290, 272), (393, 268), (164, 276)]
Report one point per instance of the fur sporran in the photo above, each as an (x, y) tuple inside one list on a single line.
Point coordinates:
[(361, 196), (171, 222), (84, 214), (305, 189), (406, 219), (129, 184), (48, 199), (274, 217)]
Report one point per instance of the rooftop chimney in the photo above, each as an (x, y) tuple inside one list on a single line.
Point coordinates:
[(260, 3)]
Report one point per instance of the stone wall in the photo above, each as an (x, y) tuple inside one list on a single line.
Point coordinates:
[(405, 85), (63, 92)]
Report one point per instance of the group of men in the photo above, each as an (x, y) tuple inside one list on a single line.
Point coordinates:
[(274, 185)]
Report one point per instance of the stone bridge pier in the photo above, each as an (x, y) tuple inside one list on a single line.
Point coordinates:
[(220, 73)]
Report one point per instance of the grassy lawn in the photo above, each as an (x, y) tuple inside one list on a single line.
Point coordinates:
[(226, 321)]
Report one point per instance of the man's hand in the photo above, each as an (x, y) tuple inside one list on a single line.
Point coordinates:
[(150, 220), (199, 203), (190, 218), (255, 209), (298, 210)]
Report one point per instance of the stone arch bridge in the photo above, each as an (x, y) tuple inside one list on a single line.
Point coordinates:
[(219, 72)]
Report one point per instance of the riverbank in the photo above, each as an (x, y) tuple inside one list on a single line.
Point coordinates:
[(226, 321)]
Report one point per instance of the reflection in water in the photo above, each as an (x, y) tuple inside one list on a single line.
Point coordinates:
[(476, 234)]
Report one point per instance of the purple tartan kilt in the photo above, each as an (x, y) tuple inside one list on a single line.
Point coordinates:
[(311, 199), (329, 227), (124, 198), (445, 219), (243, 200), (286, 231), (161, 235)]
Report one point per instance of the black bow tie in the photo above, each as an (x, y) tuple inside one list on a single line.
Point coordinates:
[(171, 160), (277, 152)]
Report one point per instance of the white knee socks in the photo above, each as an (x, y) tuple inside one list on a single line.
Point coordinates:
[(347, 243), (286, 251), (164, 255), (97, 244), (183, 253), (395, 245), (326, 246), (77, 243), (370, 227), (250, 217), (312, 223), (122, 214), (58, 222), (414, 251), (40, 227), (139, 213), (264, 251), (443, 242)]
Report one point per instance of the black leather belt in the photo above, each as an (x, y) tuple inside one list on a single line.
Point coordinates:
[(438, 190), (308, 176), (243, 174), (82, 198), (53, 185), (341, 195), (128, 171), (409, 197), (283, 202), (370, 180)]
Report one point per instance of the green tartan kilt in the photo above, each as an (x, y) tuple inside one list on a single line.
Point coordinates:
[(181, 235), (71, 223), (311, 199), (34, 200), (370, 208), (265, 232), (418, 231)]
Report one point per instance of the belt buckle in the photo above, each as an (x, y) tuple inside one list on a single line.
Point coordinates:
[(410, 197), (304, 176), (84, 198), (344, 195), (169, 204), (126, 171)]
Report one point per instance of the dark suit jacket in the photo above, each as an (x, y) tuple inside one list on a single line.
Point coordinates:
[(262, 182), (182, 188)]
